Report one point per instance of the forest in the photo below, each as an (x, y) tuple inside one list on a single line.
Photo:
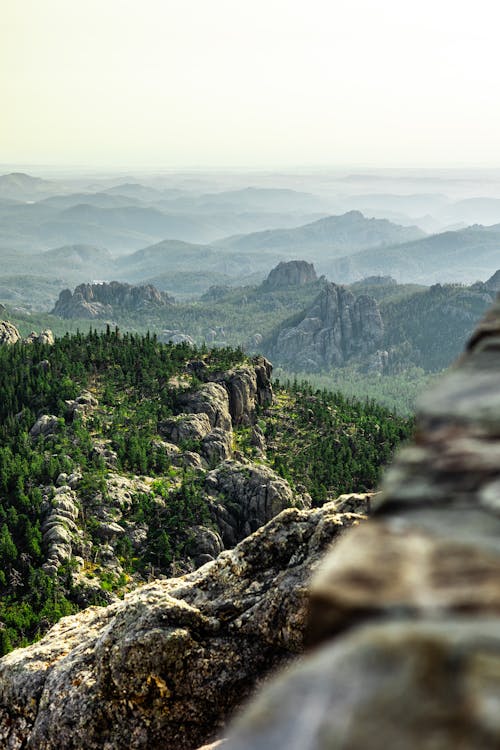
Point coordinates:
[(322, 442)]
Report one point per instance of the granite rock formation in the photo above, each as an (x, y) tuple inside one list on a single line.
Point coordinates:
[(101, 300), (244, 496), (168, 664), (337, 328), (290, 273), (8, 333), (412, 598)]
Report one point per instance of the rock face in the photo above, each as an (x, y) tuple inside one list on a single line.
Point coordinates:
[(165, 666), (337, 328), (102, 299), (422, 579), (290, 273)]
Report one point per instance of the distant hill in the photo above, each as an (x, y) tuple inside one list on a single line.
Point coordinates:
[(80, 254), (464, 255), (173, 256), (99, 200), (329, 237), (24, 187)]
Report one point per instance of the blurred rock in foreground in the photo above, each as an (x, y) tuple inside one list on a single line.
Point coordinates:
[(413, 596)]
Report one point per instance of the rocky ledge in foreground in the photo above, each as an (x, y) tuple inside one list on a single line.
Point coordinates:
[(422, 578), (166, 666)]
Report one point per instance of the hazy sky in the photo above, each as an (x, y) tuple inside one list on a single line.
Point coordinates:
[(257, 83)]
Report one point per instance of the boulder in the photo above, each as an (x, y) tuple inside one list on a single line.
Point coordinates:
[(45, 337), (216, 446), (46, 425), (8, 333), (248, 387), (409, 685), (59, 529)]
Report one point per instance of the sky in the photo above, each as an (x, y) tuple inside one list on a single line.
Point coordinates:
[(250, 83)]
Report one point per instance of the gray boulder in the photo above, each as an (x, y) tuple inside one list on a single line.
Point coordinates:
[(248, 387), (45, 337), (46, 425), (216, 446), (8, 333)]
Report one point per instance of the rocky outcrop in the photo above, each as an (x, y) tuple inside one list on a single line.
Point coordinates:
[(244, 496), (101, 300), (82, 405), (8, 333), (176, 337), (422, 580), (290, 273), (336, 329), (45, 337), (167, 665), (59, 528), (248, 387)]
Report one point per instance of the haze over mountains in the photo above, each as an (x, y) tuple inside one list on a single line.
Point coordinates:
[(186, 232)]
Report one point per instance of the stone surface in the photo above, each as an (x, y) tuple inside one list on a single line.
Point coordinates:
[(337, 328), (167, 665), (425, 570), (399, 686), (290, 273)]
